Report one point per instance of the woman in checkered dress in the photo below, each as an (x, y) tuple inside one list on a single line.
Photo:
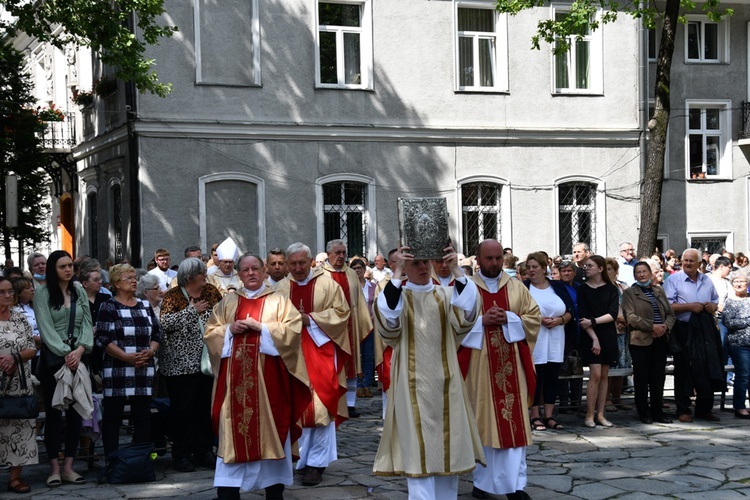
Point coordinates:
[(128, 332)]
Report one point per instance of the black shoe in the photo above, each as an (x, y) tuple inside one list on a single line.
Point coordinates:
[(477, 493), (743, 416), (662, 420), (207, 460), (646, 420), (518, 495), (183, 465), (352, 412), (227, 493), (275, 492), (313, 476)]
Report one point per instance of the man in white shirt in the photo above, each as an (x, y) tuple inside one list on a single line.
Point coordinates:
[(380, 272), (162, 270)]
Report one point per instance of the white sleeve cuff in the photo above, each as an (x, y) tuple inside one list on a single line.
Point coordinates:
[(467, 299), (267, 346), (388, 313), (226, 351), (513, 331), (475, 338), (318, 336)]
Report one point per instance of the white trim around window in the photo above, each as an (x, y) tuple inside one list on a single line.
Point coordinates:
[(728, 237), (599, 245), (488, 44), (579, 77), (708, 125), (369, 215), (706, 41), (506, 229), (255, 27), (260, 186), (363, 31)]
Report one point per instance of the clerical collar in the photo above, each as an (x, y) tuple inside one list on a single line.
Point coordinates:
[(420, 288), (252, 293), (487, 280), (306, 280), (334, 269)]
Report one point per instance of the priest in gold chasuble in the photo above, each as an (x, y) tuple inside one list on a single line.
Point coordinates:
[(360, 324), (430, 433), (261, 386), (495, 358), (325, 345)]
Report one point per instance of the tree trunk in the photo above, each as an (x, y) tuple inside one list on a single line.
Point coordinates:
[(653, 177)]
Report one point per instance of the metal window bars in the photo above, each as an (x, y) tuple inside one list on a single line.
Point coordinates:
[(345, 214), (480, 206), (577, 215)]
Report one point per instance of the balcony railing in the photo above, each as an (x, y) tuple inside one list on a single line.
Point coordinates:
[(59, 135), (745, 132)]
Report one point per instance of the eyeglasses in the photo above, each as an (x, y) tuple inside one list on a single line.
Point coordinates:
[(131, 278)]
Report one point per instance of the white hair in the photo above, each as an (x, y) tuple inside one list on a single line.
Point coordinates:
[(297, 248)]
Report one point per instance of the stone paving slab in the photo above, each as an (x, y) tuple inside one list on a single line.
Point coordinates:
[(632, 461)]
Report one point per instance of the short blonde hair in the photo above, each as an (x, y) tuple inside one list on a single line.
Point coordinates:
[(116, 272)]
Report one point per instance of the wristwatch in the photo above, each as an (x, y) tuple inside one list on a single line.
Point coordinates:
[(593, 321)]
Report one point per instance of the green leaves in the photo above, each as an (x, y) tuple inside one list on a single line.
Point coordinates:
[(103, 25)]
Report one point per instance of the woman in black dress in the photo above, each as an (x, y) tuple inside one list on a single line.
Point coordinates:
[(598, 305)]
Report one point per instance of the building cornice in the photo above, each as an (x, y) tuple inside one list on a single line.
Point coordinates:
[(100, 143), (377, 133)]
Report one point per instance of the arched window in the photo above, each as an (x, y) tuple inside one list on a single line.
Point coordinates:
[(344, 203), (577, 214), (480, 214)]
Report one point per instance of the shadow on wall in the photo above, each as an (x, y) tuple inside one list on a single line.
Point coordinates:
[(289, 165)]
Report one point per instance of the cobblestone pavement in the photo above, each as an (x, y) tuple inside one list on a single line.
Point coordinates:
[(629, 461)]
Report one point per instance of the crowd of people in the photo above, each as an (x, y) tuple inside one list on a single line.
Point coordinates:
[(261, 356)]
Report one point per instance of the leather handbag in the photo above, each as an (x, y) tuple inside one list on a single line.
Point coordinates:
[(49, 362), (18, 406), (572, 365)]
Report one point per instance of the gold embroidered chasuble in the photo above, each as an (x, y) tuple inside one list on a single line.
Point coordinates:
[(508, 427), (224, 283), (429, 427), (284, 324), (331, 313), (359, 319)]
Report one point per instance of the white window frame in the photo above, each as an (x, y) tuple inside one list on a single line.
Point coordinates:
[(369, 209), (596, 59), (260, 189), (657, 43), (725, 144), (506, 217), (365, 46), (722, 43), (255, 27), (726, 234), (500, 37), (600, 211)]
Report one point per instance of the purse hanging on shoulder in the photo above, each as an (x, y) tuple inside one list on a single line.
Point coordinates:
[(18, 406)]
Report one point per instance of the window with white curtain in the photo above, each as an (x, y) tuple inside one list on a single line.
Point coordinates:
[(578, 70), (481, 59), (344, 45)]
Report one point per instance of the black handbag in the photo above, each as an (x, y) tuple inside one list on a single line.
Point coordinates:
[(22, 406), (572, 365), (49, 362), (130, 464)]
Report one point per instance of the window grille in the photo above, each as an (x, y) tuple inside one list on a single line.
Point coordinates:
[(480, 205), (117, 221), (344, 214), (710, 245), (577, 202)]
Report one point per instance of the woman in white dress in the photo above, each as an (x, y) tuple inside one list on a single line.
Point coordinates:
[(556, 307)]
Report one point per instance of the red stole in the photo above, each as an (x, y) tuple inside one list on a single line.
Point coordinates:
[(287, 396), (320, 361), (504, 371), (384, 368), (340, 278)]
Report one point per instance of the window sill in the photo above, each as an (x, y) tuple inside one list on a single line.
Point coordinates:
[(708, 62), (335, 87), (577, 94), (230, 85), (491, 91), (709, 180)]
